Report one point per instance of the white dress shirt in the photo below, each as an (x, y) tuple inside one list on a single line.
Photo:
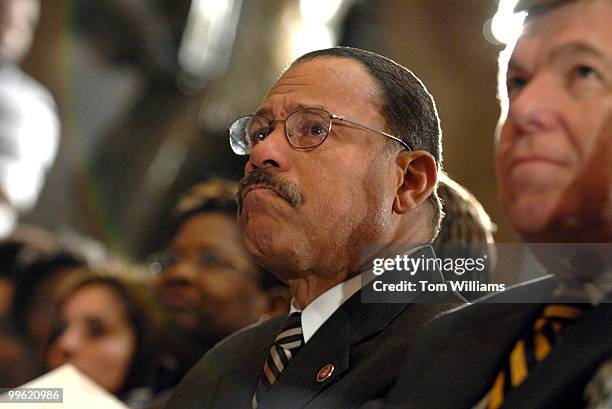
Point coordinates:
[(318, 311)]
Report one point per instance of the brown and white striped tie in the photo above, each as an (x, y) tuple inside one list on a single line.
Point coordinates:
[(287, 344)]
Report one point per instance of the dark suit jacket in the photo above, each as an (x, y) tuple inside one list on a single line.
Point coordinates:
[(364, 341), (459, 354)]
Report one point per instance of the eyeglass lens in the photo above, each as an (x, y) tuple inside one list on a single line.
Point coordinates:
[(304, 128)]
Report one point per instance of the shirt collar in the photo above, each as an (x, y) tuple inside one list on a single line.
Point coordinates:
[(318, 311), (595, 294)]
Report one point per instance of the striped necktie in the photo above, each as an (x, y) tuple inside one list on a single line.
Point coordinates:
[(533, 347), (287, 344)]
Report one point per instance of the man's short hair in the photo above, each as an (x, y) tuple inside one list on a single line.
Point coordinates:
[(537, 7), (534, 7), (408, 108)]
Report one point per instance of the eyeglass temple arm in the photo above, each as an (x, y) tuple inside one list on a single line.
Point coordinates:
[(341, 118)]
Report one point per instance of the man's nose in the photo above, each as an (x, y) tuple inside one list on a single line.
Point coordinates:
[(536, 106), (271, 153)]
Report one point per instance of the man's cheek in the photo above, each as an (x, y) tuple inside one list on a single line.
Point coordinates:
[(593, 184), (598, 164)]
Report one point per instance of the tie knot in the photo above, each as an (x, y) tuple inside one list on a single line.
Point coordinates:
[(564, 312), (292, 321), (290, 336)]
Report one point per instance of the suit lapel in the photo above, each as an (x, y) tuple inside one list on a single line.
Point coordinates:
[(476, 339), (479, 349), (351, 324), (297, 384), (331, 344), (237, 385)]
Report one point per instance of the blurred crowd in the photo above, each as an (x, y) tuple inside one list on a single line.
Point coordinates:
[(133, 329)]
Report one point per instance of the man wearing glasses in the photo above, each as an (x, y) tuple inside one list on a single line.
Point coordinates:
[(344, 152)]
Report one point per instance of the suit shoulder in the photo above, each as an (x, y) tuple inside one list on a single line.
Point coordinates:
[(492, 307), (235, 346), (202, 381), (253, 333)]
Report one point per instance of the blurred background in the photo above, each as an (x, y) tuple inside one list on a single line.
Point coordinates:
[(145, 91)]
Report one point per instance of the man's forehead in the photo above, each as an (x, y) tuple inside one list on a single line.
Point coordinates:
[(578, 28), (324, 82), (574, 14)]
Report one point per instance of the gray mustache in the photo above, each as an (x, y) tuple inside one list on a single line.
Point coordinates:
[(261, 177)]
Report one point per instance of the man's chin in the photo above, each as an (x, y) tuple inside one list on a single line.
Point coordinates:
[(282, 266), (529, 218), (265, 242)]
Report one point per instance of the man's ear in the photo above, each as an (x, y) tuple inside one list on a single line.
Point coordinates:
[(417, 178)]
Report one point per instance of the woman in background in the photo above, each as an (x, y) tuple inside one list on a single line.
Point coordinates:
[(106, 327)]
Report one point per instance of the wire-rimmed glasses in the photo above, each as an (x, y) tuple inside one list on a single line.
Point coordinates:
[(304, 128)]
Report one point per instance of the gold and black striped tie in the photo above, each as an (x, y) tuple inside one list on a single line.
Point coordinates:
[(286, 345), (533, 347)]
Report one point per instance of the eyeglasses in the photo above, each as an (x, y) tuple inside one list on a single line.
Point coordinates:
[(304, 128), (167, 259)]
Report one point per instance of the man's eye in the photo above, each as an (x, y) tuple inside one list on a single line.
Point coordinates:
[(515, 84), (259, 135), (584, 71), (314, 129), (585, 80)]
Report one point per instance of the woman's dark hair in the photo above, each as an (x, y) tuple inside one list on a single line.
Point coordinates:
[(9, 259), (33, 276), (140, 310)]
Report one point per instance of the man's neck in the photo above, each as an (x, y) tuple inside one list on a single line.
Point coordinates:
[(572, 233), (309, 287)]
